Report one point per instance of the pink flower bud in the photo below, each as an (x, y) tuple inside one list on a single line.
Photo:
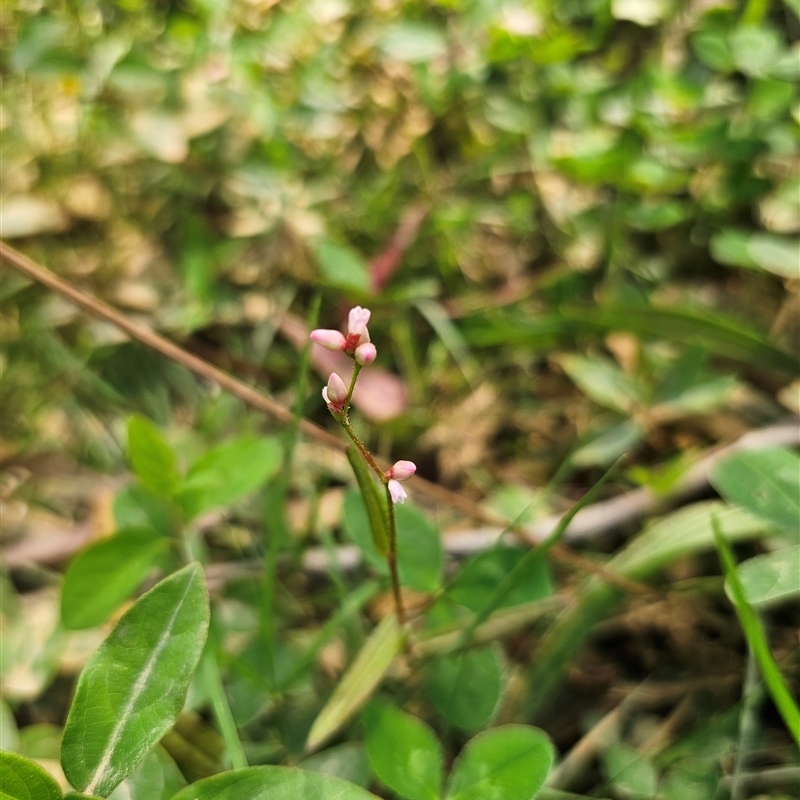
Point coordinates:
[(335, 393), (397, 492), (357, 320), (366, 353), (330, 340), (401, 470)]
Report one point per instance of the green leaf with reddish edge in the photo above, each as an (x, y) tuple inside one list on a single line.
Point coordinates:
[(273, 783), (511, 762), (151, 457), (22, 779), (105, 574), (359, 682), (133, 688)]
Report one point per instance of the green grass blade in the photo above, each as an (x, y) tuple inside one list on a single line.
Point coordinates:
[(756, 639)]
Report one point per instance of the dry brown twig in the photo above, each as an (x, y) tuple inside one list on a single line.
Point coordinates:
[(591, 521)]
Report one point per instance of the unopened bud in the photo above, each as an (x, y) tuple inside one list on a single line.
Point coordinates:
[(330, 340), (357, 320), (335, 393), (366, 353), (401, 470)]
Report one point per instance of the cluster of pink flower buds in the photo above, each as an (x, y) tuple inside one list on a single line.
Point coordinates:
[(356, 344), (399, 471)]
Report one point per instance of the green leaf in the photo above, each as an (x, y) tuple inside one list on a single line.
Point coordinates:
[(419, 550), (151, 457), (772, 577), (403, 752), (475, 583), (419, 546), (756, 638), (156, 778), (674, 536), (632, 774), (608, 445), (356, 524), (105, 574), (21, 779), (711, 332), (755, 49), (465, 686), (228, 472), (341, 266), (374, 501), (777, 254), (413, 42), (347, 761), (510, 762), (765, 482), (603, 381), (273, 783), (137, 507), (359, 682), (133, 688)]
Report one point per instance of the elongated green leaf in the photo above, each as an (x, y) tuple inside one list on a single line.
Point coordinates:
[(359, 682), (712, 332), (403, 752), (772, 577), (156, 778), (465, 687), (133, 688), (603, 381), (374, 501), (273, 783), (22, 779), (631, 773), (151, 457), (674, 536), (608, 445), (228, 472), (765, 482), (105, 574), (511, 762), (757, 640)]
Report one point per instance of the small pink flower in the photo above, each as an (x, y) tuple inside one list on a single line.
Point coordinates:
[(330, 340), (335, 394), (366, 353), (357, 321), (397, 492), (401, 470)]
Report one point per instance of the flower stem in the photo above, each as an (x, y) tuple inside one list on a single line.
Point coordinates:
[(391, 558)]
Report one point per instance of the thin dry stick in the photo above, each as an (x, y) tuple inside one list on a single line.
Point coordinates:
[(247, 394), (266, 404)]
